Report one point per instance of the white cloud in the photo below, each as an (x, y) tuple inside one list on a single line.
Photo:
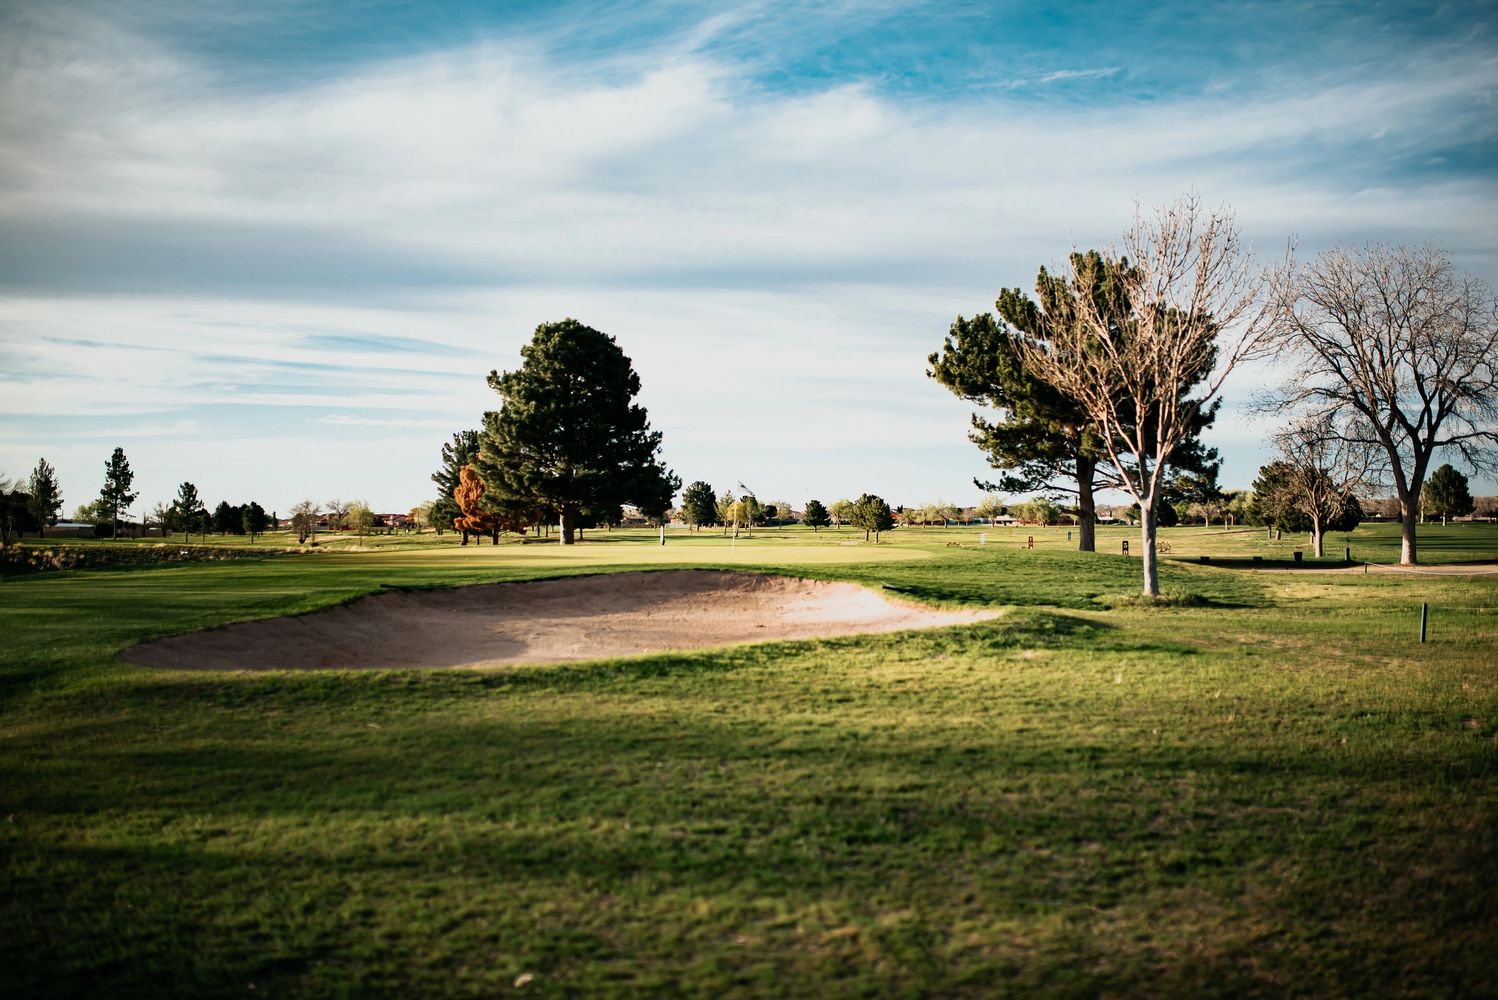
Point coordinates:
[(778, 267)]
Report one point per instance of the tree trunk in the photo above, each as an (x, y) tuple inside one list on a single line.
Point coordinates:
[(567, 523), (1086, 506), (1407, 553), (1318, 533), (1147, 518)]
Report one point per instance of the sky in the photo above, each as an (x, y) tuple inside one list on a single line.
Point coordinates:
[(274, 249)]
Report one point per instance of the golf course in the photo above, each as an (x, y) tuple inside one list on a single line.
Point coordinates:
[(1263, 782)]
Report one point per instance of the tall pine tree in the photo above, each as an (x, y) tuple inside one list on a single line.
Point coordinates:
[(116, 495), (569, 435)]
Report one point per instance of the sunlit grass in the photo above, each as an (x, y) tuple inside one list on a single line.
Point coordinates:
[(1279, 790)]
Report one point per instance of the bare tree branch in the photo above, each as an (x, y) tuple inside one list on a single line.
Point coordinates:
[(1200, 306), (1399, 337)]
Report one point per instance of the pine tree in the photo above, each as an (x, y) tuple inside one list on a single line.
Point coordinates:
[(115, 495), (185, 509), (462, 450), (46, 496), (699, 505), (1446, 494), (568, 435), (815, 516)]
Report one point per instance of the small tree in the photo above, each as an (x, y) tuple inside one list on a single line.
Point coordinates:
[(872, 514), (46, 496), (990, 507), (304, 522), (841, 512), (116, 495), (462, 450), (816, 516), (254, 520), (338, 512), (1322, 465), (161, 518), (699, 506), (1446, 494), (185, 509), (224, 519), (360, 518)]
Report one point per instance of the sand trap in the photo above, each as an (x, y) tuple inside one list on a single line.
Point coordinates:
[(578, 618)]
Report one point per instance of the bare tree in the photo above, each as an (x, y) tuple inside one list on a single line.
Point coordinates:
[(1326, 465), (1398, 336), (338, 512), (1199, 307)]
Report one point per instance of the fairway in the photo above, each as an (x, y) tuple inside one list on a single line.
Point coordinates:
[(1273, 787)]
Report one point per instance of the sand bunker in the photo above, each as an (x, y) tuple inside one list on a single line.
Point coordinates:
[(577, 618)]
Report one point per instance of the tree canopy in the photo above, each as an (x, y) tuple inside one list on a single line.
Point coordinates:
[(116, 494), (872, 514), (699, 505), (1446, 494), (45, 495), (1402, 339), (462, 450), (1044, 438), (815, 517), (569, 435)]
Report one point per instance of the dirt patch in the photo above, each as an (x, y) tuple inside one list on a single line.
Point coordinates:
[(546, 621)]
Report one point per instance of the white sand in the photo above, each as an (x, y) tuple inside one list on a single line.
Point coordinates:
[(577, 618)]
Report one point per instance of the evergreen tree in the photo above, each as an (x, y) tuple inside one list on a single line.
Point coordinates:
[(871, 513), (816, 516), (568, 434), (224, 519), (115, 495), (46, 496), (699, 505), (462, 450), (1043, 441), (1446, 494), (185, 510), (254, 520)]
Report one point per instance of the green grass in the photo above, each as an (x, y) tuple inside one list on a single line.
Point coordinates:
[(1275, 789)]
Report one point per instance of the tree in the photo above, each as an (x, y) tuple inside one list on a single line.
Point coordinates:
[(116, 496), (1196, 308), (1277, 503), (1397, 336), (871, 513), (87, 513), (1038, 511), (841, 512), (1045, 439), (254, 520), (160, 517), (990, 507), (699, 505), (304, 522), (185, 509), (225, 518), (462, 450), (360, 518), (1323, 464), (1446, 494), (46, 496), (15, 511), (569, 435), (816, 516), (338, 512)]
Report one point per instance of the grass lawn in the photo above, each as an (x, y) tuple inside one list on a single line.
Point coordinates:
[(1278, 790)]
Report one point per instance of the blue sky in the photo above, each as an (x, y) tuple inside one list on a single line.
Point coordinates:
[(275, 250)]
